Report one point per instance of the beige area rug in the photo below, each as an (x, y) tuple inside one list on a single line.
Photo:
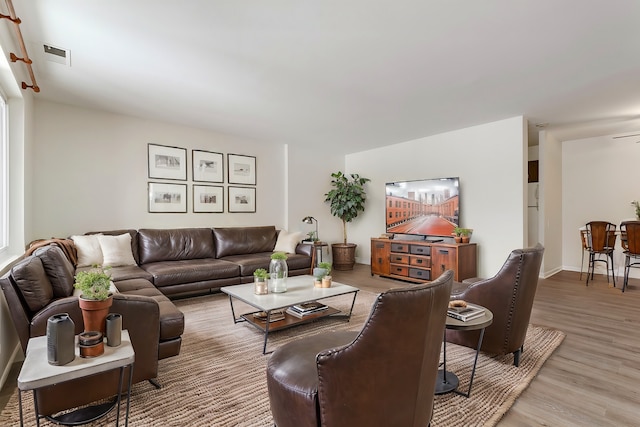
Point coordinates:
[(219, 377)]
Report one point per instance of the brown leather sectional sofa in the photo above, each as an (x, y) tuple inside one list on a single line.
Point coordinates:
[(170, 263)]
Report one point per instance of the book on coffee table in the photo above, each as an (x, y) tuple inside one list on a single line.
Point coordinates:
[(306, 309), (471, 311)]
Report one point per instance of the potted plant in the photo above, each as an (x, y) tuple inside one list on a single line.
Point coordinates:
[(326, 279), (278, 272), (260, 277), (346, 199), (465, 233), (457, 234), (95, 298)]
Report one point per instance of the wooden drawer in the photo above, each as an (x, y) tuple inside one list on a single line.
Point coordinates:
[(399, 259), (400, 247), (420, 261), (400, 270), (420, 250), (418, 273)]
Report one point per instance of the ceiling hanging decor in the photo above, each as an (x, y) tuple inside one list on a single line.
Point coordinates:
[(25, 56)]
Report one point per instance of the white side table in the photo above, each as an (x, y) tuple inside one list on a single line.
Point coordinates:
[(36, 371)]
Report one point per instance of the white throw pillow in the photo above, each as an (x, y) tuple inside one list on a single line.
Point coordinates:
[(287, 242), (116, 250), (88, 248)]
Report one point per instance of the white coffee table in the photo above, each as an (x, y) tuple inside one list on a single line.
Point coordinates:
[(36, 372), (300, 289)]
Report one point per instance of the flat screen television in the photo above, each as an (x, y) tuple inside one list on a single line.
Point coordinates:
[(426, 207)]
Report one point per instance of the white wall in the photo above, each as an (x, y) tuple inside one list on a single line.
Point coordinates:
[(599, 181), (90, 173), (551, 203), (490, 160)]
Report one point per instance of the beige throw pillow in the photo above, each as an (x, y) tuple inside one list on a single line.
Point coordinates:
[(89, 252), (287, 242), (116, 250)]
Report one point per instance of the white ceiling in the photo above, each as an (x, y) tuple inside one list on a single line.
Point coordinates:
[(347, 74)]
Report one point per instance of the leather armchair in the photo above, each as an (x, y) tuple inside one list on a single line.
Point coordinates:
[(382, 375), (509, 295)]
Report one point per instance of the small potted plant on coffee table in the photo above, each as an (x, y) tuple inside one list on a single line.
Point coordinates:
[(326, 279), (260, 281)]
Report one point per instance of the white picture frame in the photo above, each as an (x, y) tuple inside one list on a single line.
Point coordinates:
[(241, 169), (167, 198), (166, 162), (242, 199), (207, 166), (208, 199)]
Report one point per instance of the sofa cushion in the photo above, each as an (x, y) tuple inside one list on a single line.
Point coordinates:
[(32, 280), (287, 242), (58, 268), (189, 271), (175, 244), (171, 319), (116, 250), (89, 252), (132, 232), (244, 240), (250, 262)]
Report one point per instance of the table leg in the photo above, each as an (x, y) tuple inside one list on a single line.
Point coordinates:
[(446, 381), (266, 332), (35, 408), (120, 381), (233, 313), (473, 371), (20, 407), (126, 419)]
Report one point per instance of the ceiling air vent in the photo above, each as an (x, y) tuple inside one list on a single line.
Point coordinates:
[(57, 54)]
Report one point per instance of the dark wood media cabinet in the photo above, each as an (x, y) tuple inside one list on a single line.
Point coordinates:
[(422, 261)]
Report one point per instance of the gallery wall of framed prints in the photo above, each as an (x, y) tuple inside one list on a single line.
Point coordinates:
[(207, 167)]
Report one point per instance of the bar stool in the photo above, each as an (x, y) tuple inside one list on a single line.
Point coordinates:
[(601, 240), (630, 239)]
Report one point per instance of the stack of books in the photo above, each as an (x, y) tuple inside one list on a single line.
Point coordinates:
[(469, 312), (306, 309)]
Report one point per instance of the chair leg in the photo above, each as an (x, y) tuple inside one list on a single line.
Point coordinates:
[(154, 382), (516, 356), (581, 264), (613, 274), (627, 267)]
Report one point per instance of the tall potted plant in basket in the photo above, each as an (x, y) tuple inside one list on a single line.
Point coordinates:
[(346, 199), (95, 299)]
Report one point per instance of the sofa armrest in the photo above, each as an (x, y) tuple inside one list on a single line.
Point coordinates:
[(305, 249), (63, 305)]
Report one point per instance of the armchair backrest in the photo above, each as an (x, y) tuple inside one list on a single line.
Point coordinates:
[(387, 375), (509, 295)]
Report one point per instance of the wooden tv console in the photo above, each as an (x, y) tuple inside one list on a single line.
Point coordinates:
[(422, 261)]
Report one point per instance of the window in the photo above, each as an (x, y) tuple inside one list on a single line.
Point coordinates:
[(4, 174)]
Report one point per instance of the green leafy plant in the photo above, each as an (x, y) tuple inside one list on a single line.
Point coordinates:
[(279, 255), (94, 283), (326, 266), (466, 231), (261, 274), (636, 204), (347, 198), (457, 231)]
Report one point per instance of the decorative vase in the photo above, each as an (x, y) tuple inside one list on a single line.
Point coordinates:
[(94, 313), (278, 272), (60, 339), (260, 287), (326, 282)]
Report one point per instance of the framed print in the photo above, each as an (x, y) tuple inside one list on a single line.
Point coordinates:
[(167, 197), (208, 198), (167, 162), (242, 199), (207, 166), (242, 169)]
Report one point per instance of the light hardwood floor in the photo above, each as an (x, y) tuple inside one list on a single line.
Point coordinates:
[(590, 380)]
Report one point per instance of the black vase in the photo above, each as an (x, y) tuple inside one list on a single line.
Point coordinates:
[(60, 339)]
